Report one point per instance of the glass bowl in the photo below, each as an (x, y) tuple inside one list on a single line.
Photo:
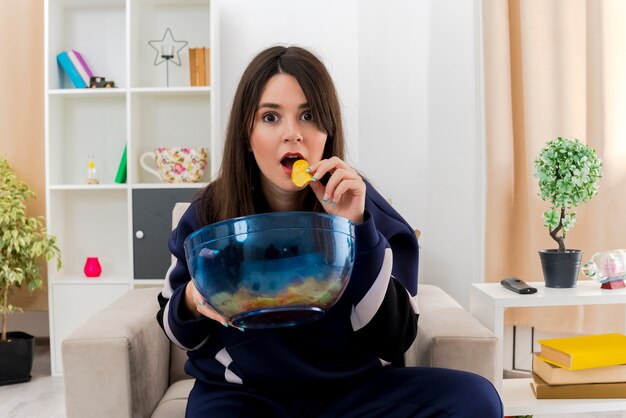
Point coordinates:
[(272, 270)]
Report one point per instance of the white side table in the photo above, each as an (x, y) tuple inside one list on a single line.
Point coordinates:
[(488, 303)]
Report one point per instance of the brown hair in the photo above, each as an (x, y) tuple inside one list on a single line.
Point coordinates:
[(236, 190)]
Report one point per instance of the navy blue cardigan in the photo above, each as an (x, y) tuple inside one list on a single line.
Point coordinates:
[(373, 323)]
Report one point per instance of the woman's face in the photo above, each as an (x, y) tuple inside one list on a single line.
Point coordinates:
[(283, 132)]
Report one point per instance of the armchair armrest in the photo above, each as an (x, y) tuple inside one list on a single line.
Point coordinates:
[(449, 336), (116, 364)]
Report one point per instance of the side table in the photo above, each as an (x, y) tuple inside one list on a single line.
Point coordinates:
[(488, 302)]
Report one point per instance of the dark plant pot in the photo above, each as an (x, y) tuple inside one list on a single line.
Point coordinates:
[(560, 269), (16, 358)]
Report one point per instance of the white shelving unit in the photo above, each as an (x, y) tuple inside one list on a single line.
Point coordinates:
[(140, 114), (489, 302)]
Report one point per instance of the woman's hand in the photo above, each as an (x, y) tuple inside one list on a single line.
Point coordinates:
[(197, 306), (344, 194)]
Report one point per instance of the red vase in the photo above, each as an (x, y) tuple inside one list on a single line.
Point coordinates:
[(92, 267)]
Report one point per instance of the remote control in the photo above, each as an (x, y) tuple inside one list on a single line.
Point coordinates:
[(517, 286)]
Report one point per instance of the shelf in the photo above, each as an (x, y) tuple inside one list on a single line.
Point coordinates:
[(83, 125), (87, 92), (488, 303), (89, 187), (519, 399), (96, 29), (586, 292), (168, 186), (90, 224), (139, 115), (188, 21), (67, 279), (156, 91), (177, 3), (116, 186), (89, 3), (166, 120)]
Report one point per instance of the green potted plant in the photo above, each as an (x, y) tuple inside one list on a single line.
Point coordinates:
[(568, 172), (23, 245)]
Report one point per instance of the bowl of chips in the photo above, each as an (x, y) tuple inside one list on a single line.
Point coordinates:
[(272, 270)]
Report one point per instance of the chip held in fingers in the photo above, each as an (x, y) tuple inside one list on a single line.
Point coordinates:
[(299, 177)]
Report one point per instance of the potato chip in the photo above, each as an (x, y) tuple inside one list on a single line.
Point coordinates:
[(299, 177)]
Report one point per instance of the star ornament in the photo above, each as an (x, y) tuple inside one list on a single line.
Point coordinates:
[(167, 48)]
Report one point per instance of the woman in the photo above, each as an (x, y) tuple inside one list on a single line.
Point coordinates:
[(286, 108)]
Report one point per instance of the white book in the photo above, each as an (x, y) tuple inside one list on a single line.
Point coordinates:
[(79, 67)]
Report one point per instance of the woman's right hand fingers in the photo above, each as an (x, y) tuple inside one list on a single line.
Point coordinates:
[(203, 308)]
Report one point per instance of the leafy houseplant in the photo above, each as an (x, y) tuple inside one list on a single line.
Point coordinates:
[(568, 173), (23, 244)]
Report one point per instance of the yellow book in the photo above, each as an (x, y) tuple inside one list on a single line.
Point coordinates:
[(200, 67), (542, 390), (193, 68), (585, 351), (207, 66), (555, 375)]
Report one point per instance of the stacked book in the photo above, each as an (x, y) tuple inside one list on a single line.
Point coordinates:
[(583, 367), (75, 67), (200, 66)]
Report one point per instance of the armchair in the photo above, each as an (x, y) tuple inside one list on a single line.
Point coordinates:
[(120, 364)]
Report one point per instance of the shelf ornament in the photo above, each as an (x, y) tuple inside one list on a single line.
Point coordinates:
[(92, 267), (608, 268), (167, 49), (92, 173)]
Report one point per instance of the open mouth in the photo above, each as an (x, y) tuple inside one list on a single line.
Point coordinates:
[(288, 160)]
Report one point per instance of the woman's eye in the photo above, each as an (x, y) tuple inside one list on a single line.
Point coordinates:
[(307, 116), (270, 117)]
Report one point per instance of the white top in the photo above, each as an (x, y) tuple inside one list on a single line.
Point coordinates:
[(586, 292)]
